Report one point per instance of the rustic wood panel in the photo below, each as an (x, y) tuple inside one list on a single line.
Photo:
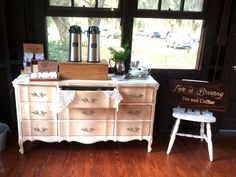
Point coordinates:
[(199, 95)]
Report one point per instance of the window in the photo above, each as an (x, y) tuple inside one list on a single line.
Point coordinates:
[(58, 26), (58, 41), (171, 42), (164, 34)]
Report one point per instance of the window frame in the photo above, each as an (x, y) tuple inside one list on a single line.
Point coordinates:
[(128, 10), (68, 11), (181, 14)]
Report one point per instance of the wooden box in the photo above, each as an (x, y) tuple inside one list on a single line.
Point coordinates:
[(47, 66), (83, 70)]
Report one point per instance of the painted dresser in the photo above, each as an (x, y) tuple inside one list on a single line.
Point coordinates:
[(85, 111)]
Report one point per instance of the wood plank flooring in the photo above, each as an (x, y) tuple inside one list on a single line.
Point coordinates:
[(189, 158)]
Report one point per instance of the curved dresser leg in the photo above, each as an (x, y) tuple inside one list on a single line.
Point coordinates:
[(21, 150), (150, 145)]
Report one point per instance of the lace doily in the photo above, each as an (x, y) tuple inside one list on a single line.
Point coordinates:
[(116, 96), (64, 98)]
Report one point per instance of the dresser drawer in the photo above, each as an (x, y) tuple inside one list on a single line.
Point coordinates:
[(137, 94), (39, 128), (88, 114), (88, 128), (134, 112), (36, 111), (133, 128), (37, 93), (92, 99)]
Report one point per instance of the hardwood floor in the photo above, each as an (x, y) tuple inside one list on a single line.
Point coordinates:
[(189, 157)]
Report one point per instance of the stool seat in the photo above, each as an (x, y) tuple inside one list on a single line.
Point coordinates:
[(193, 115)]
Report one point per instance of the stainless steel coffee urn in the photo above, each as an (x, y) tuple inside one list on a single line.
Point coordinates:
[(93, 44), (75, 54)]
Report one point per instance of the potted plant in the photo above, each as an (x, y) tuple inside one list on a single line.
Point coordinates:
[(119, 56)]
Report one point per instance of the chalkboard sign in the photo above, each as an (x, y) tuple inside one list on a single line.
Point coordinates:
[(199, 95)]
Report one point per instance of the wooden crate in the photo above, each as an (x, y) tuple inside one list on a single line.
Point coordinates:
[(83, 70), (48, 65)]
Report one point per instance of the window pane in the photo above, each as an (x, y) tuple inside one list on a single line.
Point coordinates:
[(170, 5), (148, 4), (193, 5), (60, 2), (58, 35), (84, 3), (108, 3), (172, 43)]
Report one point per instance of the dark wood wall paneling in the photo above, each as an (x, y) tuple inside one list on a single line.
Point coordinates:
[(229, 73), (21, 21), (12, 33), (4, 69)]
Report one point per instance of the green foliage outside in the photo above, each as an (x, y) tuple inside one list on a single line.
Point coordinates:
[(58, 50)]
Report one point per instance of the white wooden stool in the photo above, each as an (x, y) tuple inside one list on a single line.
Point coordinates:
[(203, 117)]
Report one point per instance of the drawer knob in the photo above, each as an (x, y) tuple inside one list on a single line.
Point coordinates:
[(88, 112), (133, 129), (91, 100), (39, 95), (136, 95), (37, 129), (134, 113), (88, 129), (40, 113)]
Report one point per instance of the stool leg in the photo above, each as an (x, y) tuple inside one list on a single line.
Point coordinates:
[(173, 135), (209, 142), (202, 127)]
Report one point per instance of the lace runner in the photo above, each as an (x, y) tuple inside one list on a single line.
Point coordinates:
[(116, 96), (64, 98)]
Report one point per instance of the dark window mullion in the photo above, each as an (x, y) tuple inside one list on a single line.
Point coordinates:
[(72, 3), (129, 9), (204, 6), (182, 5), (159, 5)]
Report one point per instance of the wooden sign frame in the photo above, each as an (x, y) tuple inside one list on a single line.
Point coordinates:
[(33, 48), (198, 95)]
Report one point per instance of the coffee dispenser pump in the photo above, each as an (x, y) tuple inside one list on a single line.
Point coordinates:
[(93, 44), (75, 44)]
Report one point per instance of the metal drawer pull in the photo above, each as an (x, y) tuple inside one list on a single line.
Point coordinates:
[(40, 95), (136, 95), (40, 113), (88, 112), (133, 129), (92, 100), (88, 129), (40, 130), (134, 113)]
